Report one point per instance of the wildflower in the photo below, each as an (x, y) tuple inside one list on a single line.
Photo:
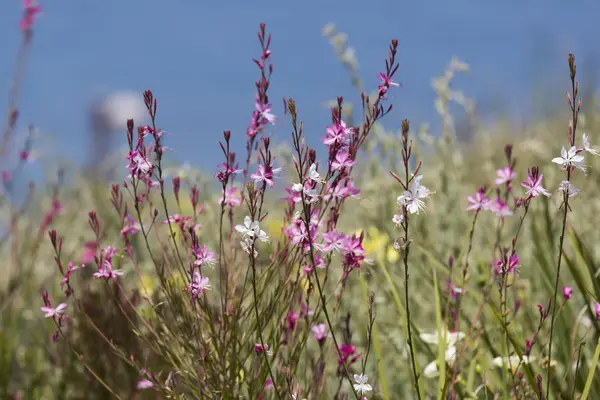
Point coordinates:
[(131, 226), (348, 354), (265, 173), (265, 112), (247, 246), (500, 208), (411, 199), (203, 256), (51, 312), (512, 360), (342, 160), (431, 369), (308, 189), (65, 281), (567, 187), (144, 384), (504, 266), (534, 184), (259, 348), (294, 196), (30, 11), (361, 385), (597, 310), (320, 332), (252, 229), (230, 198), (353, 251), (313, 174), (567, 292), (198, 285), (451, 337), (338, 134), (88, 252), (587, 147), (479, 201), (505, 175), (332, 241), (106, 271), (386, 83), (225, 171), (569, 159), (139, 164), (344, 189)]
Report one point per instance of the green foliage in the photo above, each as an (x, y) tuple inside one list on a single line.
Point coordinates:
[(147, 323)]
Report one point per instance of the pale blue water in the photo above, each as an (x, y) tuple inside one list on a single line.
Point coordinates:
[(196, 56)]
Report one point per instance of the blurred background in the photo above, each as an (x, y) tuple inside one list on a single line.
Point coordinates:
[(196, 57)]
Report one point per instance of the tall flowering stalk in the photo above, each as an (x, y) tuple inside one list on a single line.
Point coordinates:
[(569, 160), (410, 202)]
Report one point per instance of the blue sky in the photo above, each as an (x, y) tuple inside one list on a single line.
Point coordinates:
[(196, 57)]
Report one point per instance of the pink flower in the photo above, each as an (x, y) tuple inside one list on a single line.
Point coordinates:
[(507, 266), (50, 312), (505, 175), (500, 208), (266, 174), (336, 134), (293, 196), (139, 164), (198, 285), (320, 332), (265, 112), (332, 241), (479, 202), (342, 160), (259, 348), (88, 253), (348, 354), (534, 184), (225, 171), (567, 292), (106, 271), (292, 319), (597, 309), (65, 281), (131, 226), (144, 384), (230, 198), (203, 256), (31, 10), (386, 83)]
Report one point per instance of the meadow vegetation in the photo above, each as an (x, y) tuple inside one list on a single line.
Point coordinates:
[(401, 264)]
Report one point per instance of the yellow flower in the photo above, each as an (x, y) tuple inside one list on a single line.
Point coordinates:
[(392, 254), (274, 227), (375, 241)]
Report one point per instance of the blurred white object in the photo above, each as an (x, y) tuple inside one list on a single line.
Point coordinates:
[(109, 115)]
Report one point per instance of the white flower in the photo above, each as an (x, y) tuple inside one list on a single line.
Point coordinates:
[(313, 174), (451, 337), (311, 194), (569, 159), (587, 147), (252, 229), (565, 186), (247, 246), (361, 385), (511, 361), (411, 199), (398, 218), (431, 370)]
